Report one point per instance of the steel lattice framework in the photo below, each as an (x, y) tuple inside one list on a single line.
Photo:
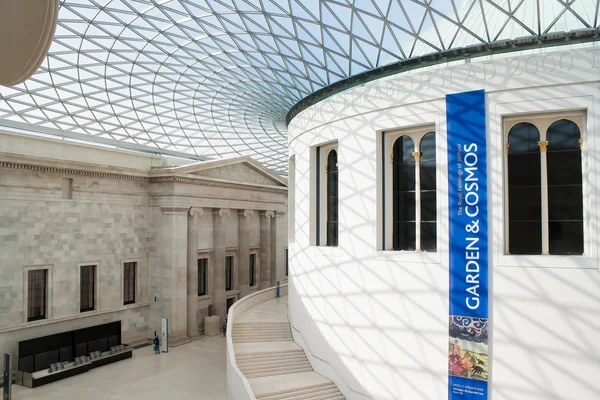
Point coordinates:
[(215, 78)]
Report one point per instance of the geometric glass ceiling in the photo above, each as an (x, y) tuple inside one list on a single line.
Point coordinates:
[(216, 78)]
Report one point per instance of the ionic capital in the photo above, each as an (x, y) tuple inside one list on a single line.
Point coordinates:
[(267, 214), (199, 211), (222, 212), (280, 214), (246, 213)]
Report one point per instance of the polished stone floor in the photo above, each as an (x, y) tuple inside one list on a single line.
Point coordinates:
[(192, 371)]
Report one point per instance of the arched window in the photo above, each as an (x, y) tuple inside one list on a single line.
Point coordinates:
[(332, 199), (565, 196), (428, 193), (524, 190), (404, 218)]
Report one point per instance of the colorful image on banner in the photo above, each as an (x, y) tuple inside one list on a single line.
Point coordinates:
[(468, 347)]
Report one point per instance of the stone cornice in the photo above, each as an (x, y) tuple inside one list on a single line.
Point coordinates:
[(217, 183), (71, 171), (71, 168), (174, 210)]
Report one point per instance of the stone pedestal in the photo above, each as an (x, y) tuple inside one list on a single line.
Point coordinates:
[(212, 325)]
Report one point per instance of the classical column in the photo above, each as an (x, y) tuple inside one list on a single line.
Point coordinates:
[(192, 272), (275, 244), (173, 272), (244, 218), (219, 245), (265, 248)]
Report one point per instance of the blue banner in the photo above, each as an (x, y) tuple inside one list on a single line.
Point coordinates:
[(468, 238)]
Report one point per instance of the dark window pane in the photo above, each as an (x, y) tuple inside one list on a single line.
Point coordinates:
[(332, 199), (252, 271), (428, 193), (87, 288), (404, 237), (525, 237), (228, 273), (403, 169), (565, 196), (524, 190), (427, 163), (286, 262), (428, 206), (129, 282), (202, 271), (565, 203), (36, 294), (566, 237), (428, 236)]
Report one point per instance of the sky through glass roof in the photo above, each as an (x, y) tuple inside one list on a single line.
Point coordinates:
[(215, 78)]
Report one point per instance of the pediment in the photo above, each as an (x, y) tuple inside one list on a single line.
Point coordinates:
[(242, 169)]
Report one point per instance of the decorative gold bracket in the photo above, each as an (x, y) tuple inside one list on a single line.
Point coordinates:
[(543, 145), (391, 158), (417, 156), (507, 146), (580, 141)]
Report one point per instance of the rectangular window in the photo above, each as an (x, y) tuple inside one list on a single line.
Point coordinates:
[(252, 265), (544, 184), (229, 273), (87, 288), (286, 262), (202, 264), (129, 282), (36, 294), (409, 190)]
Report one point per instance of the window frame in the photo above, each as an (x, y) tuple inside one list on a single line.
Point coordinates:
[(286, 259), (209, 273), (95, 297), (47, 294), (542, 122), (388, 139), (205, 292), (135, 281), (321, 153), (256, 277), (525, 102), (234, 271)]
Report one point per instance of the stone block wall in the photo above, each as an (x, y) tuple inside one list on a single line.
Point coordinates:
[(105, 223)]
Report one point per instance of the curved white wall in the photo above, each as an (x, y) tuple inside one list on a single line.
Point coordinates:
[(376, 322)]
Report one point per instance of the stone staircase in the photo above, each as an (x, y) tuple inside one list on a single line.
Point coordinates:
[(250, 332), (315, 392), (275, 366), (273, 363)]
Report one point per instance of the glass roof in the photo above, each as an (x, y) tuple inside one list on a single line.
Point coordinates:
[(215, 78)]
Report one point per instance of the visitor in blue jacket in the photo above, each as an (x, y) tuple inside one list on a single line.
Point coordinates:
[(156, 342)]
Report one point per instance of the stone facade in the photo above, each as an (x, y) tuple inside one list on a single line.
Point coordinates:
[(64, 205)]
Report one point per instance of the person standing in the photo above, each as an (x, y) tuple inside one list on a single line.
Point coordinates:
[(156, 342)]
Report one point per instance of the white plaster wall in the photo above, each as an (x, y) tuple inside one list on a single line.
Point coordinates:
[(376, 322)]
